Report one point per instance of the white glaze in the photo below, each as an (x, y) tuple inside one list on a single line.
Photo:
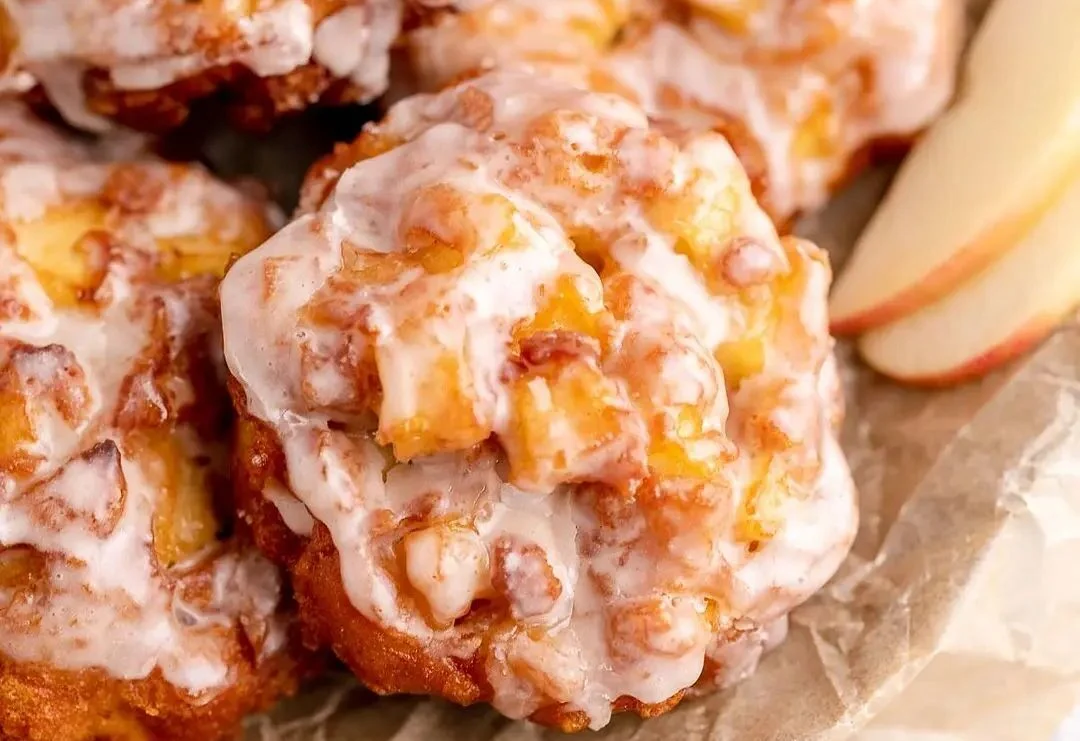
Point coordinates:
[(355, 43)]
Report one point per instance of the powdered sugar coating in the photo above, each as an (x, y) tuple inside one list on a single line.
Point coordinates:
[(548, 434)]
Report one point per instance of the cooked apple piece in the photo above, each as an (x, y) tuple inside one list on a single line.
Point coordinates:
[(568, 421), (17, 434), (184, 257), (184, 520), (983, 176), (54, 246), (440, 408)]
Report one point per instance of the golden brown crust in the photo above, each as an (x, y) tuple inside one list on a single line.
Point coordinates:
[(386, 661), (572, 721), (262, 60), (42, 703), (253, 103)]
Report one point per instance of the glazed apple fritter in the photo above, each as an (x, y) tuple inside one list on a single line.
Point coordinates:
[(146, 63), (127, 610), (805, 91), (537, 409)]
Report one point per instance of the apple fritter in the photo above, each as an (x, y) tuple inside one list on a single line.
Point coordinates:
[(127, 610), (536, 407), (146, 63), (807, 92)]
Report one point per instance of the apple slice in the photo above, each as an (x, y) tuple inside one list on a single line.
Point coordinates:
[(995, 315), (982, 176)]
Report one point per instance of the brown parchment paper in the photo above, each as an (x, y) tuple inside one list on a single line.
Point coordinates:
[(956, 617)]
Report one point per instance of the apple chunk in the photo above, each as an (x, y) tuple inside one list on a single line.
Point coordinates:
[(983, 176), (993, 317)]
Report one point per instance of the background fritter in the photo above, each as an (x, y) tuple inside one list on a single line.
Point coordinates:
[(127, 610), (146, 63), (806, 91)]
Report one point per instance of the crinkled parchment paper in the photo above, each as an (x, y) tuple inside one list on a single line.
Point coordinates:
[(957, 616)]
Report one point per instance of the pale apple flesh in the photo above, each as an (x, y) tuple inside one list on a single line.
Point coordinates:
[(982, 177), (994, 316)]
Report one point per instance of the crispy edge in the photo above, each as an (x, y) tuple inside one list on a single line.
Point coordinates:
[(42, 703), (386, 661)]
